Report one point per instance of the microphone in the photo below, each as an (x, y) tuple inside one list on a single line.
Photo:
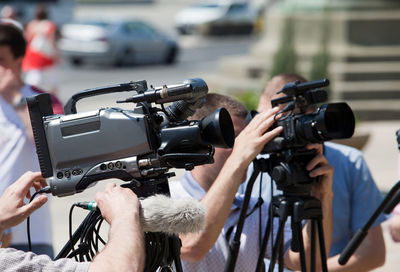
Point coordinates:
[(159, 213), (189, 89)]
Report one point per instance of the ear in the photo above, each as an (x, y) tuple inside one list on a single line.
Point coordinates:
[(18, 61), (18, 64)]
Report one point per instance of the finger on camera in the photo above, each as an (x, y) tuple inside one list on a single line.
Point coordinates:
[(322, 170), (264, 126), (317, 160), (261, 117), (272, 134), (316, 146)]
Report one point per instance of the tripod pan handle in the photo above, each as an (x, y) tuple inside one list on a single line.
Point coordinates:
[(352, 246)]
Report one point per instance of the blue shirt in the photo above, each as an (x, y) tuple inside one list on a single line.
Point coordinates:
[(355, 194)]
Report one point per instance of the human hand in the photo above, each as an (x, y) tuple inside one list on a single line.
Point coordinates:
[(9, 85), (250, 142), (12, 206), (117, 202), (319, 166)]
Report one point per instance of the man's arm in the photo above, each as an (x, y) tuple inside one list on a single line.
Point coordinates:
[(10, 87), (125, 249), (220, 196), (119, 206), (322, 190), (6, 239), (368, 256)]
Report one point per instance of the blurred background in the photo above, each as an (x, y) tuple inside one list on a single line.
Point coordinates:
[(236, 47)]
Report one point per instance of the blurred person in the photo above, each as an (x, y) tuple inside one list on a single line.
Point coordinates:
[(17, 149), (8, 12), (216, 186), (41, 58), (119, 206), (355, 194), (394, 222)]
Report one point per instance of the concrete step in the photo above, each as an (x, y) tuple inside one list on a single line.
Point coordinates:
[(373, 110), (367, 90), (365, 71)]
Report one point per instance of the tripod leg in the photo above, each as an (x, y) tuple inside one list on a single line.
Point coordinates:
[(283, 214), (312, 257), (297, 218), (322, 245), (260, 261), (281, 253), (298, 230)]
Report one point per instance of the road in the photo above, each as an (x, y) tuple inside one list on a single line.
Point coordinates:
[(197, 56)]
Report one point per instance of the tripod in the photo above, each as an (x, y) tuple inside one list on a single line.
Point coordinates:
[(299, 208), (168, 246)]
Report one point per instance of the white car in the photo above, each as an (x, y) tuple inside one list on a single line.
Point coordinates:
[(216, 17), (116, 43)]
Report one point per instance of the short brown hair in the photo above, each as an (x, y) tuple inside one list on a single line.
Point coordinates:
[(278, 81), (41, 12), (215, 101), (12, 37)]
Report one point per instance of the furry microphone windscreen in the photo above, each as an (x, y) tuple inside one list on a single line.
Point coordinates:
[(160, 213)]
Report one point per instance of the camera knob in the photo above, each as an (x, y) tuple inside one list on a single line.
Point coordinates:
[(279, 174)]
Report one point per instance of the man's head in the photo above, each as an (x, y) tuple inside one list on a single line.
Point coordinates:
[(41, 12), (238, 114), (273, 86), (9, 12), (12, 47)]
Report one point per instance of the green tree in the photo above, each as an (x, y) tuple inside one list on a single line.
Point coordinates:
[(285, 58), (320, 61)]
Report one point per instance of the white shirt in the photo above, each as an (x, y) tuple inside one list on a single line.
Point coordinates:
[(215, 259), (18, 155)]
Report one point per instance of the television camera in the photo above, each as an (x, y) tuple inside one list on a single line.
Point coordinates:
[(139, 146), (77, 149), (301, 126)]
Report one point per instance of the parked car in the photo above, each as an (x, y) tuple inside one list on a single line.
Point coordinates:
[(216, 17), (116, 42)]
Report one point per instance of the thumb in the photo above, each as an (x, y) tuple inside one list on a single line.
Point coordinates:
[(28, 209)]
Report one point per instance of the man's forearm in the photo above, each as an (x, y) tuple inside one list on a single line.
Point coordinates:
[(6, 239), (125, 249), (218, 202)]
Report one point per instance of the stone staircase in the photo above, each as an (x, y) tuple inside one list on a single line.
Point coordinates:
[(364, 71)]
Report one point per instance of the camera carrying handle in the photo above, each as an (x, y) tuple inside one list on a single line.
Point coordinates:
[(138, 86)]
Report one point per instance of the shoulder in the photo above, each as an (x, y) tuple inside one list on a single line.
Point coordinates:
[(176, 189), (334, 151)]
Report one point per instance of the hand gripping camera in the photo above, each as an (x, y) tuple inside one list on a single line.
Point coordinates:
[(140, 145)]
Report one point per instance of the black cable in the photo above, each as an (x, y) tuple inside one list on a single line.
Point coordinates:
[(260, 218), (70, 228), (158, 251), (44, 190)]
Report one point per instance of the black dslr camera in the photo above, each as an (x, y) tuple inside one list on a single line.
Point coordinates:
[(301, 126)]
